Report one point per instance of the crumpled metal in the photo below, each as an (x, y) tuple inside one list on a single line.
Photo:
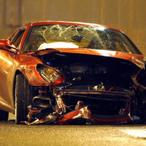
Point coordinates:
[(39, 116)]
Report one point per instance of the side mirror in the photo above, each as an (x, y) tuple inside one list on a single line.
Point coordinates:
[(6, 43)]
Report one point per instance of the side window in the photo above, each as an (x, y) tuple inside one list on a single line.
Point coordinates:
[(17, 37)]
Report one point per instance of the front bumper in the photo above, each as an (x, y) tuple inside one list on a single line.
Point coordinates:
[(88, 106)]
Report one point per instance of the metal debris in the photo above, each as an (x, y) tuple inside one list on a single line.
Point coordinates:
[(39, 116)]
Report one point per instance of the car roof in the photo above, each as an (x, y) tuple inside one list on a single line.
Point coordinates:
[(65, 23), (47, 22)]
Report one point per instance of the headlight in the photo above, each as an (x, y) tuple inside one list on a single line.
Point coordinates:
[(50, 74)]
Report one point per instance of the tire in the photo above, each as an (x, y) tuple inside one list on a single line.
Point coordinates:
[(23, 97), (3, 115)]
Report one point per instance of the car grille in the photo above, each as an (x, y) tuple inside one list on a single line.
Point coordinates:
[(99, 105)]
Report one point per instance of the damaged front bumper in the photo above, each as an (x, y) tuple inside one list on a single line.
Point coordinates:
[(83, 107)]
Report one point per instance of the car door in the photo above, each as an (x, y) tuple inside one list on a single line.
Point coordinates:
[(7, 61)]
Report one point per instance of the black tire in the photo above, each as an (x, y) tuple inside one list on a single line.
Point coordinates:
[(3, 115), (23, 97)]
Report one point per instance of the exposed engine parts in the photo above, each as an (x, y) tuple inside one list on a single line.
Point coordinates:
[(88, 92), (39, 116), (72, 105)]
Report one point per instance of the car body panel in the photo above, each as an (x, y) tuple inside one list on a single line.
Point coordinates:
[(134, 58), (6, 76)]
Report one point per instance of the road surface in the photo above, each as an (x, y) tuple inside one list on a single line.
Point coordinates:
[(85, 135)]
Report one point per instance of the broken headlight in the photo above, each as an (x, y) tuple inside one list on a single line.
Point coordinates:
[(50, 74)]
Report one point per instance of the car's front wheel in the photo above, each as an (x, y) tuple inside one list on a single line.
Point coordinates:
[(23, 97), (3, 115)]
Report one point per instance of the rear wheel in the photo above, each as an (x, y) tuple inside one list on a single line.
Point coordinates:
[(3, 115), (23, 97)]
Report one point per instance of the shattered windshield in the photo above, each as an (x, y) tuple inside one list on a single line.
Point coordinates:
[(72, 36)]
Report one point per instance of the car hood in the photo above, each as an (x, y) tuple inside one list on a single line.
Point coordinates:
[(137, 59)]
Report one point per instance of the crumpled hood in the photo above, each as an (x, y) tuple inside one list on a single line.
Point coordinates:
[(137, 59)]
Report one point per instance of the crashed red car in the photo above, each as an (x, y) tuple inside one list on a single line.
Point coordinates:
[(64, 72)]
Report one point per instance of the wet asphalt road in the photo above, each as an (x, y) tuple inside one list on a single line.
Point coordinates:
[(88, 135)]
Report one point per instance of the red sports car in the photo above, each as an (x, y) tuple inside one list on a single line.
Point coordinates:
[(68, 72)]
